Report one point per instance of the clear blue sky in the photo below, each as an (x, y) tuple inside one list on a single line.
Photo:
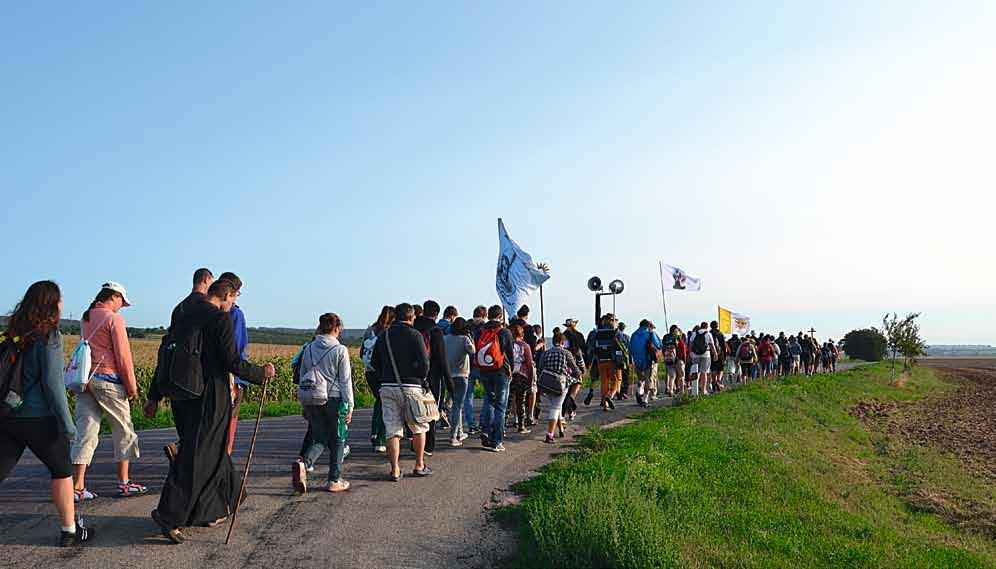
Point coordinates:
[(815, 163)]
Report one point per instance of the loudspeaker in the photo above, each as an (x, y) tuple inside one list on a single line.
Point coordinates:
[(595, 284)]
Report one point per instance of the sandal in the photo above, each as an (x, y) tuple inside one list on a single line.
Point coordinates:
[(171, 533), (426, 471), (394, 477), (126, 489), (83, 495)]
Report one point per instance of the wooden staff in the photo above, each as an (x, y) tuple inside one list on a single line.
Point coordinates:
[(245, 474)]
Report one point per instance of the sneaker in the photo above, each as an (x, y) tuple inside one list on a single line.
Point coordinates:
[(485, 440), (588, 398), (549, 439), (299, 477), (611, 404), (380, 448), (79, 537), (426, 471), (345, 452), (339, 486), (427, 452), (498, 448), (128, 488), (473, 431), (524, 431), (455, 442), (463, 436), (83, 495)]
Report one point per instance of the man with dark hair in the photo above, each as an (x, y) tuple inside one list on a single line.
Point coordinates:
[(494, 356), (202, 280), (450, 314), (718, 364), (608, 355), (439, 367), (418, 309), (201, 487), (401, 362)]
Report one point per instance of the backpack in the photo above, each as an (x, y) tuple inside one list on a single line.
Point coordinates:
[(368, 352), (699, 345), (80, 369), (11, 375), (313, 388), (764, 351), (671, 353), (605, 345), (178, 365), (653, 354), (745, 353), (488, 346)]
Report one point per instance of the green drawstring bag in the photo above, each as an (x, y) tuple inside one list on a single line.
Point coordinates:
[(343, 427)]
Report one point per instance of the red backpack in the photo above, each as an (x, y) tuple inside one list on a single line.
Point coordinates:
[(489, 354)]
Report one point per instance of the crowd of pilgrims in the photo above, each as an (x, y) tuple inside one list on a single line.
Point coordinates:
[(422, 363)]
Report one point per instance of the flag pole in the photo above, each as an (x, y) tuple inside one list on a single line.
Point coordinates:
[(667, 326), (542, 313)]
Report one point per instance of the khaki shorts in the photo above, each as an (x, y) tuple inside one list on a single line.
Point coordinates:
[(395, 403), (103, 398), (676, 369)]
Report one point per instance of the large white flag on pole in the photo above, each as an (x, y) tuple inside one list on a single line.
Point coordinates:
[(683, 280), (517, 275)]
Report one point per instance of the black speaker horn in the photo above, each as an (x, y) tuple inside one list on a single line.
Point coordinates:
[(595, 284)]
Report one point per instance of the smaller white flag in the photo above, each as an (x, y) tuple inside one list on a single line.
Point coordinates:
[(740, 324), (682, 280)]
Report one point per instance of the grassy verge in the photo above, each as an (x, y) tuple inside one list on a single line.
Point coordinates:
[(778, 474)]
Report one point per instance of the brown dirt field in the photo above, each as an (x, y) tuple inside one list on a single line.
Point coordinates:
[(962, 423)]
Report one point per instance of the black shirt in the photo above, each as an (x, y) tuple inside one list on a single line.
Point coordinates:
[(410, 356)]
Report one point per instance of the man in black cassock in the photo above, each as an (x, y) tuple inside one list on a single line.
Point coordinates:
[(201, 487)]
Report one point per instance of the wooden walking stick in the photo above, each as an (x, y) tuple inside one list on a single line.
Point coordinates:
[(245, 474)]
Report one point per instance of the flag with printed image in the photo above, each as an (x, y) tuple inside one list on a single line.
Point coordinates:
[(517, 276), (683, 280), (733, 322)]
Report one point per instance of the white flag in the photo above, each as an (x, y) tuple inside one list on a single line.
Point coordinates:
[(682, 280), (517, 275)]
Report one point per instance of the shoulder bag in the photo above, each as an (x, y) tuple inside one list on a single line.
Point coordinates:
[(421, 404)]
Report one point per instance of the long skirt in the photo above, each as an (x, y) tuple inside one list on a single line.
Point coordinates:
[(201, 486)]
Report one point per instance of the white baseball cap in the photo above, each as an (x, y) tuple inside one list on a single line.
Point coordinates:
[(118, 288)]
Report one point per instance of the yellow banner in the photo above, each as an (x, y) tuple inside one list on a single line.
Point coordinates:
[(725, 320)]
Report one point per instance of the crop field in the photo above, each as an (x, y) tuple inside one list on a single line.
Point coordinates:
[(281, 394)]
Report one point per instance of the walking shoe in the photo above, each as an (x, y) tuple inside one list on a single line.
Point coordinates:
[(588, 398), (455, 442), (380, 448), (497, 448), (83, 495), (427, 452), (171, 533), (549, 439), (78, 537), (463, 437), (339, 486), (485, 440), (611, 404), (345, 451), (524, 431)]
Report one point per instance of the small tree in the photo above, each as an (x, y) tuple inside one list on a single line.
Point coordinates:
[(903, 337)]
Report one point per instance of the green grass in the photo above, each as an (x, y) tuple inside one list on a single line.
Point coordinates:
[(777, 474)]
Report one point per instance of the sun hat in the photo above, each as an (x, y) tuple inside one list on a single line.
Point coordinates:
[(118, 288)]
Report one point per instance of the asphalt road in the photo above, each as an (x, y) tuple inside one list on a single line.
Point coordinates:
[(440, 521)]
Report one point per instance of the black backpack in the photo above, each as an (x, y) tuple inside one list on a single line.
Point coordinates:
[(11, 376), (699, 345), (179, 372)]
